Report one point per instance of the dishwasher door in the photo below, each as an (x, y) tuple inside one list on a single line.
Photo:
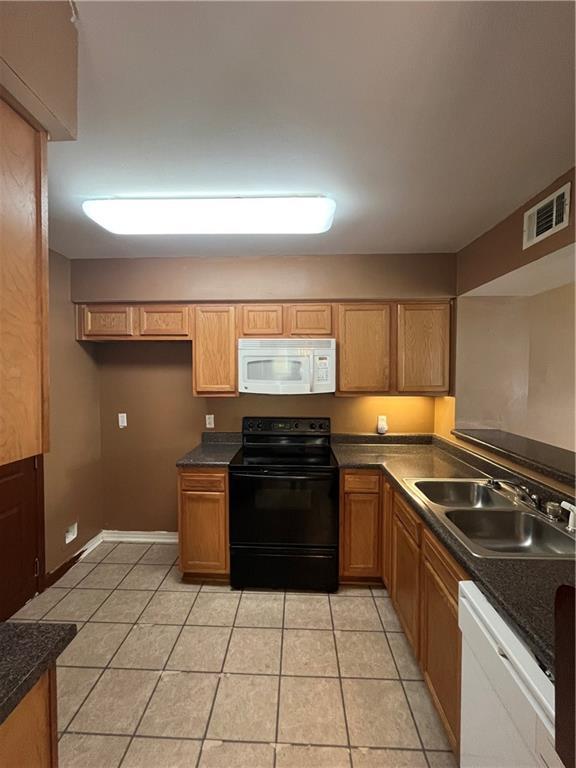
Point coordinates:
[(507, 709)]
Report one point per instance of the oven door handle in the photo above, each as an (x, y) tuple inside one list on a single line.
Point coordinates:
[(282, 476)]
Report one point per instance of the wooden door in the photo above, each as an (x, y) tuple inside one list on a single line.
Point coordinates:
[(21, 533), (309, 319), (23, 289), (424, 348), (165, 320), (364, 347), (203, 532), (386, 529), (262, 320), (406, 581), (360, 535), (214, 350)]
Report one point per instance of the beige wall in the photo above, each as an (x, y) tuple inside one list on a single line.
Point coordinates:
[(39, 63), (499, 250), (515, 365), (152, 383), (319, 277), (73, 490)]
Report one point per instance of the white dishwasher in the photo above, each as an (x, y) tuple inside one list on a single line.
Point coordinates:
[(507, 711)]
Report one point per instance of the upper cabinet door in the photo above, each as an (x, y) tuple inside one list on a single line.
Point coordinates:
[(165, 320), (309, 319), (214, 350), (262, 320), (107, 320), (364, 347), (23, 289), (423, 347)]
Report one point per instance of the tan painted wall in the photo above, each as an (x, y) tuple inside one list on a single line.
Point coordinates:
[(499, 250), (72, 468), (370, 276), (152, 384), (39, 63)]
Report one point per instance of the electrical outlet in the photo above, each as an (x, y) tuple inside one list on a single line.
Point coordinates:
[(122, 420), (209, 421), (71, 533)]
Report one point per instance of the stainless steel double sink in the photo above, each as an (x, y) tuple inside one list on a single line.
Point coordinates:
[(492, 524)]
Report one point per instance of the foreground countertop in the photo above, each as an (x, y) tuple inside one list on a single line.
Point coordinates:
[(523, 590), (27, 651)]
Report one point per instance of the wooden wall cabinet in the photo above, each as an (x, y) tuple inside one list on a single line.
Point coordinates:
[(364, 342), (214, 350), (164, 320), (203, 522), (133, 322), (406, 534), (107, 320), (309, 319), (262, 320), (23, 289), (360, 525), (440, 639), (423, 348)]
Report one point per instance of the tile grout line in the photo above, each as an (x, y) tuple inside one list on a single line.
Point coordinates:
[(279, 691), (340, 681)]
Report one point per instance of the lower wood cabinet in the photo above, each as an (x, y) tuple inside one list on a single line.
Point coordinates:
[(440, 640), (203, 522), (406, 530), (386, 534), (360, 525)]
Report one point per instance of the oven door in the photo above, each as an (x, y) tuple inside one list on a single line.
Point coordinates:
[(274, 372), (278, 508)]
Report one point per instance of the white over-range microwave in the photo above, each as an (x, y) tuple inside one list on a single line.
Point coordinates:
[(287, 366)]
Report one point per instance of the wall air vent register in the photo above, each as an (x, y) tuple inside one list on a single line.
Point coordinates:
[(546, 217)]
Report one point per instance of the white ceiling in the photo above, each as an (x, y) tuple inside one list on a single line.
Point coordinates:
[(427, 122)]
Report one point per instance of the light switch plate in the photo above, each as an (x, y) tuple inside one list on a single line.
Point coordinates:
[(122, 420), (209, 421)]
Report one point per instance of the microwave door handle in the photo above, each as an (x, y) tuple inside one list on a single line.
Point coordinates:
[(308, 369)]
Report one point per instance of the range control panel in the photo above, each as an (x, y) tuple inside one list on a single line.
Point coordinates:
[(285, 426)]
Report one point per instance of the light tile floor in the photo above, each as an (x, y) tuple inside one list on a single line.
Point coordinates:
[(164, 674)]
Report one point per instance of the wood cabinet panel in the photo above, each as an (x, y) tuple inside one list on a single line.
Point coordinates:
[(203, 531), (364, 347), (386, 530), (309, 319), (28, 737), (406, 581), (23, 290), (214, 350), (165, 320), (107, 320), (203, 482), (423, 348), (412, 523), (361, 482), (262, 320), (360, 535)]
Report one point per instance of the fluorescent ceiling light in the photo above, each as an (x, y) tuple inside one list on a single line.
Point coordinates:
[(305, 215)]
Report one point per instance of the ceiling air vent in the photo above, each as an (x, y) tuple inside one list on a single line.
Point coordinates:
[(547, 217)]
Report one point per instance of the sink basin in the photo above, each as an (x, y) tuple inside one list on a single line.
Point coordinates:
[(511, 532), (463, 493)]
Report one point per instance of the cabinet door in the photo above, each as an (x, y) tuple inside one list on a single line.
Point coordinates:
[(406, 581), (423, 347), (364, 347), (309, 319), (164, 320), (360, 535), (214, 350), (441, 647), (23, 290), (107, 320), (262, 320), (386, 547), (203, 532)]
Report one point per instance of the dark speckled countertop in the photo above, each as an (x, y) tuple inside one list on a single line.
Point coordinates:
[(27, 651), (522, 590)]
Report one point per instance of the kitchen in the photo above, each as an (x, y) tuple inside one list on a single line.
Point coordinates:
[(287, 427)]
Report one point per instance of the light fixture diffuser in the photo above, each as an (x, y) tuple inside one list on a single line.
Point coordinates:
[(304, 215)]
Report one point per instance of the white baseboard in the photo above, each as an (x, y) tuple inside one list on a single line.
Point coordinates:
[(91, 544), (141, 537)]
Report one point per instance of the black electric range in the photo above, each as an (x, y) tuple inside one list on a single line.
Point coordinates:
[(284, 505)]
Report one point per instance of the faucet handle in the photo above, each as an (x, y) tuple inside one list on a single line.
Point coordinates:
[(571, 509), (552, 510)]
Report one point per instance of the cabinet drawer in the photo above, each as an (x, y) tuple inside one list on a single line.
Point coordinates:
[(364, 482), (203, 482), (410, 520), (448, 571)]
